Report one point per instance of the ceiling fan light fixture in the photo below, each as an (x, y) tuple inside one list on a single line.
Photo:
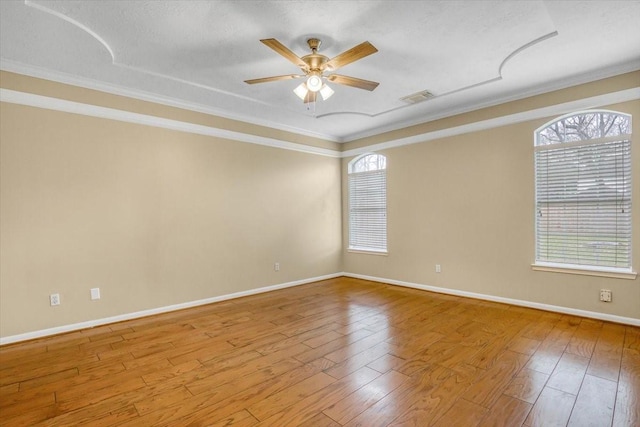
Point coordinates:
[(314, 82), (301, 91), (326, 92), (314, 65)]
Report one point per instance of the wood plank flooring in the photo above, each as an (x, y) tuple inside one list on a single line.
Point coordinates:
[(342, 352)]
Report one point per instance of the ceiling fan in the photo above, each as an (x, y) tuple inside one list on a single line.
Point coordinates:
[(314, 66)]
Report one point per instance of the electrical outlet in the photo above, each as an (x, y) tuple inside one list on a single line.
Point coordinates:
[(438, 268), (605, 295), (95, 293), (276, 266), (54, 299)]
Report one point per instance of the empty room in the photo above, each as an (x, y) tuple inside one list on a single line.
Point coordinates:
[(319, 213)]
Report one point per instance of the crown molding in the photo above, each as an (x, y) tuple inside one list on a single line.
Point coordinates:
[(539, 90), (39, 101), (553, 110), (64, 78), (87, 83)]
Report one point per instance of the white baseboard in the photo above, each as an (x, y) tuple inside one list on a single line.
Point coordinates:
[(144, 313), (138, 314), (555, 308)]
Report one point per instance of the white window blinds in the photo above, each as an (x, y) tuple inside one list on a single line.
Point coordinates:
[(368, 203), (583, 191)]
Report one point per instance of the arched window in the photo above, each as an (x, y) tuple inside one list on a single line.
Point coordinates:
[(583, 191), (368, 203)]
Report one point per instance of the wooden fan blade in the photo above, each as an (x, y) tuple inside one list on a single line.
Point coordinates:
[(274, 78), (310, 97), (353, 82), (285, 51), (351, 55)]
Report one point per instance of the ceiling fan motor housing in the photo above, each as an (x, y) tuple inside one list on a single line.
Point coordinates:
[(315, 61), (314, 44)]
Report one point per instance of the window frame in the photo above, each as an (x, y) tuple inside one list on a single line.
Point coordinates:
[(352, 172), (577, 268)]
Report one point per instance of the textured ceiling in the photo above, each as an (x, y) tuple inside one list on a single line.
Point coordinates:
[(197, 54)]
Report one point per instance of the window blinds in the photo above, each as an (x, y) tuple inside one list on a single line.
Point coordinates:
[(583, 203), (368, 211)]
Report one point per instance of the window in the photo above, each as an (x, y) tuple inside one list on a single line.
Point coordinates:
[(368, 203), (583, 192)]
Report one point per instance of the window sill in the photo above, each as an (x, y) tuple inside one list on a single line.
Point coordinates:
[(367, 251), (614, 273)]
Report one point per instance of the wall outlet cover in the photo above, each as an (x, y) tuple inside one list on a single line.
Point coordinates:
[(605, 295), (54, 299)]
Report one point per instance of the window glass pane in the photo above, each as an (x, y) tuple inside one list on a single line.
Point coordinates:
[(369, 162), (583, 191), (368, 203), (583, 127)]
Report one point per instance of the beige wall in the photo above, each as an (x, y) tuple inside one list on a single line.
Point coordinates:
[(150, 216), (467, 202), (155, 217)]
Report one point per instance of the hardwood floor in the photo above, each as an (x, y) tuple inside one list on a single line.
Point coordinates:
[(341, 352)]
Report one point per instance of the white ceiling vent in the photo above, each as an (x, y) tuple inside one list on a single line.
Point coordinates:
[(417, 97)]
